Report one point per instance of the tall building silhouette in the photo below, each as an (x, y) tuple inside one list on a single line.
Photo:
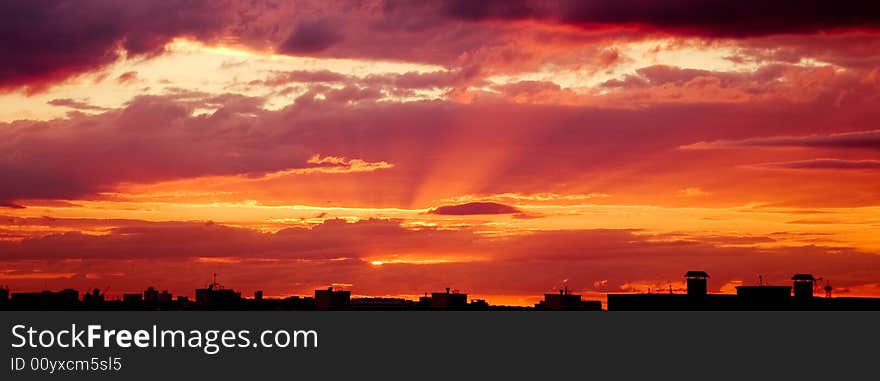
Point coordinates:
[(151, 295)]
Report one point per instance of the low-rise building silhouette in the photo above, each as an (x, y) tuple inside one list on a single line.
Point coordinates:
[(382, 304), (697, 284), (763, 295), (566, 301), (449, 300), (217, 297), (748, 297), (803, 286), (93, 298), (331, 299), (165, 297), (64, 299), (132, 298)]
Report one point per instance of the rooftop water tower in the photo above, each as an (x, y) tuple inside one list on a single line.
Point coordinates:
[(697, 283), (803, 285)]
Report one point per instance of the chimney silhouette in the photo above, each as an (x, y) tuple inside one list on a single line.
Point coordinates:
[(803, 285), (696, 283)]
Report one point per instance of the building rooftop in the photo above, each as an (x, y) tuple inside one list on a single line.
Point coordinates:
[(696, 274), (803, 277)]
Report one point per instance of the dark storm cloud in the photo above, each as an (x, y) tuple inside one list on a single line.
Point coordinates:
[(311, 36), (45, 41), (475, 208), (714, 18)]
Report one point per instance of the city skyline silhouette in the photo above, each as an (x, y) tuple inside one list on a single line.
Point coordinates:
[(798, 296)]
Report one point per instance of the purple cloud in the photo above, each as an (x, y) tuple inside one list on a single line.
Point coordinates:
[(475, 208)]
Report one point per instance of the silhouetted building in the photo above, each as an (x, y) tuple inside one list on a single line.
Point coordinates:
[(696, 297), (298, 303), (697, 284), (748, 297), (803, 286), (382, 304), (94, 297), (566, 301), (424, 301), (763, 295), (331, 299), (151, 295), (448, 300), (478, 304), (132, 298), (164, 297), (216, 297), (64, 299)]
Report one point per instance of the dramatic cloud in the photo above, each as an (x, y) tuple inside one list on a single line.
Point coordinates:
[(157, 138), (145, 142), (475, 208), (708, 17), (311, 37), (409, 146), (54, 40)]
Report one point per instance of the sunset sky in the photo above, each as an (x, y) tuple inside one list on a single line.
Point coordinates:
[(502, 148)]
